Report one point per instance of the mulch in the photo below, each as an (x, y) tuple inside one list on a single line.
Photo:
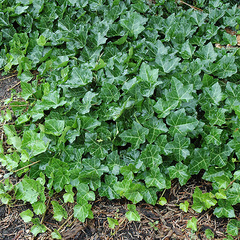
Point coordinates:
[(157, 222)]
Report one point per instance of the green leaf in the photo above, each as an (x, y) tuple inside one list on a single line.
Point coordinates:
[(28, 190), (133, 22), (109, 93), (178, 147), (80, 76), (37, 227), (132, 214), (200, 160), (156, 127), (150, 196), (56, 235), (69, 195), (184, 206), (179, 171), (187, 50), (214, 137), (163, 108), (167, 63), (192, 223), (112, 222), (82, 210), (155, 178), (134, 192), (107, 188), (59, 211), (209, 234), (233, 226), (135, 136), (54, 127), (162, 201), (207, 53), (39, 207), (97, 147), (226, 66), (33, 142), (233, 194), (84, 194), (26, 215), (179, 92), (202, 201), (179, 122), (41, 41), (150, 156), (224, 210)]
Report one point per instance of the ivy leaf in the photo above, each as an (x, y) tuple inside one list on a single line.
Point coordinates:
[(59, 211), (82, 210), (200, 160), (233, 194), (109, 92), (214, 137), (147, 74), (39, 207), (181, 123), (33, 142), (167, 62), (28, 190), (226, 66), (107, 188), (178, 147), (56, 235), (132, 214), (112, 222), (133, 22), (192, 223), (216, 116), (233, 226), (84, 106), (155, 178), (219, 155), (68, 196), (224, 210), (179, 171), (84, 194), (202, 201), (163, 108), (37, 227), (207, 53), (80, 76), (61, 178), (162, 201), (150, 156), (150, 196), (179, 92), (184, 206), (187, 50), (134, 192), (97, 147), (135, 136), (213, 94), (156, 127), (54, 127), (26, 215)]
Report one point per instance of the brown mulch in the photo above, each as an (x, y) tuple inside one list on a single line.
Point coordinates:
[(157, 222)]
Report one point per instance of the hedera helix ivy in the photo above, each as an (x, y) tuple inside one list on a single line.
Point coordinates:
[(128, 96)]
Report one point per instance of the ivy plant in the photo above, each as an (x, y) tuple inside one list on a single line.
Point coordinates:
[(118, 99)]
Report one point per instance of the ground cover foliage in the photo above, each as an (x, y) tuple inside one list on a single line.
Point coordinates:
[(129, 95)]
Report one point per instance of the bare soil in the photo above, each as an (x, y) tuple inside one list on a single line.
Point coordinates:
[(157, 222)]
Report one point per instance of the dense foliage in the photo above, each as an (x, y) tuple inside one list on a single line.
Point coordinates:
[(128, 96)]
